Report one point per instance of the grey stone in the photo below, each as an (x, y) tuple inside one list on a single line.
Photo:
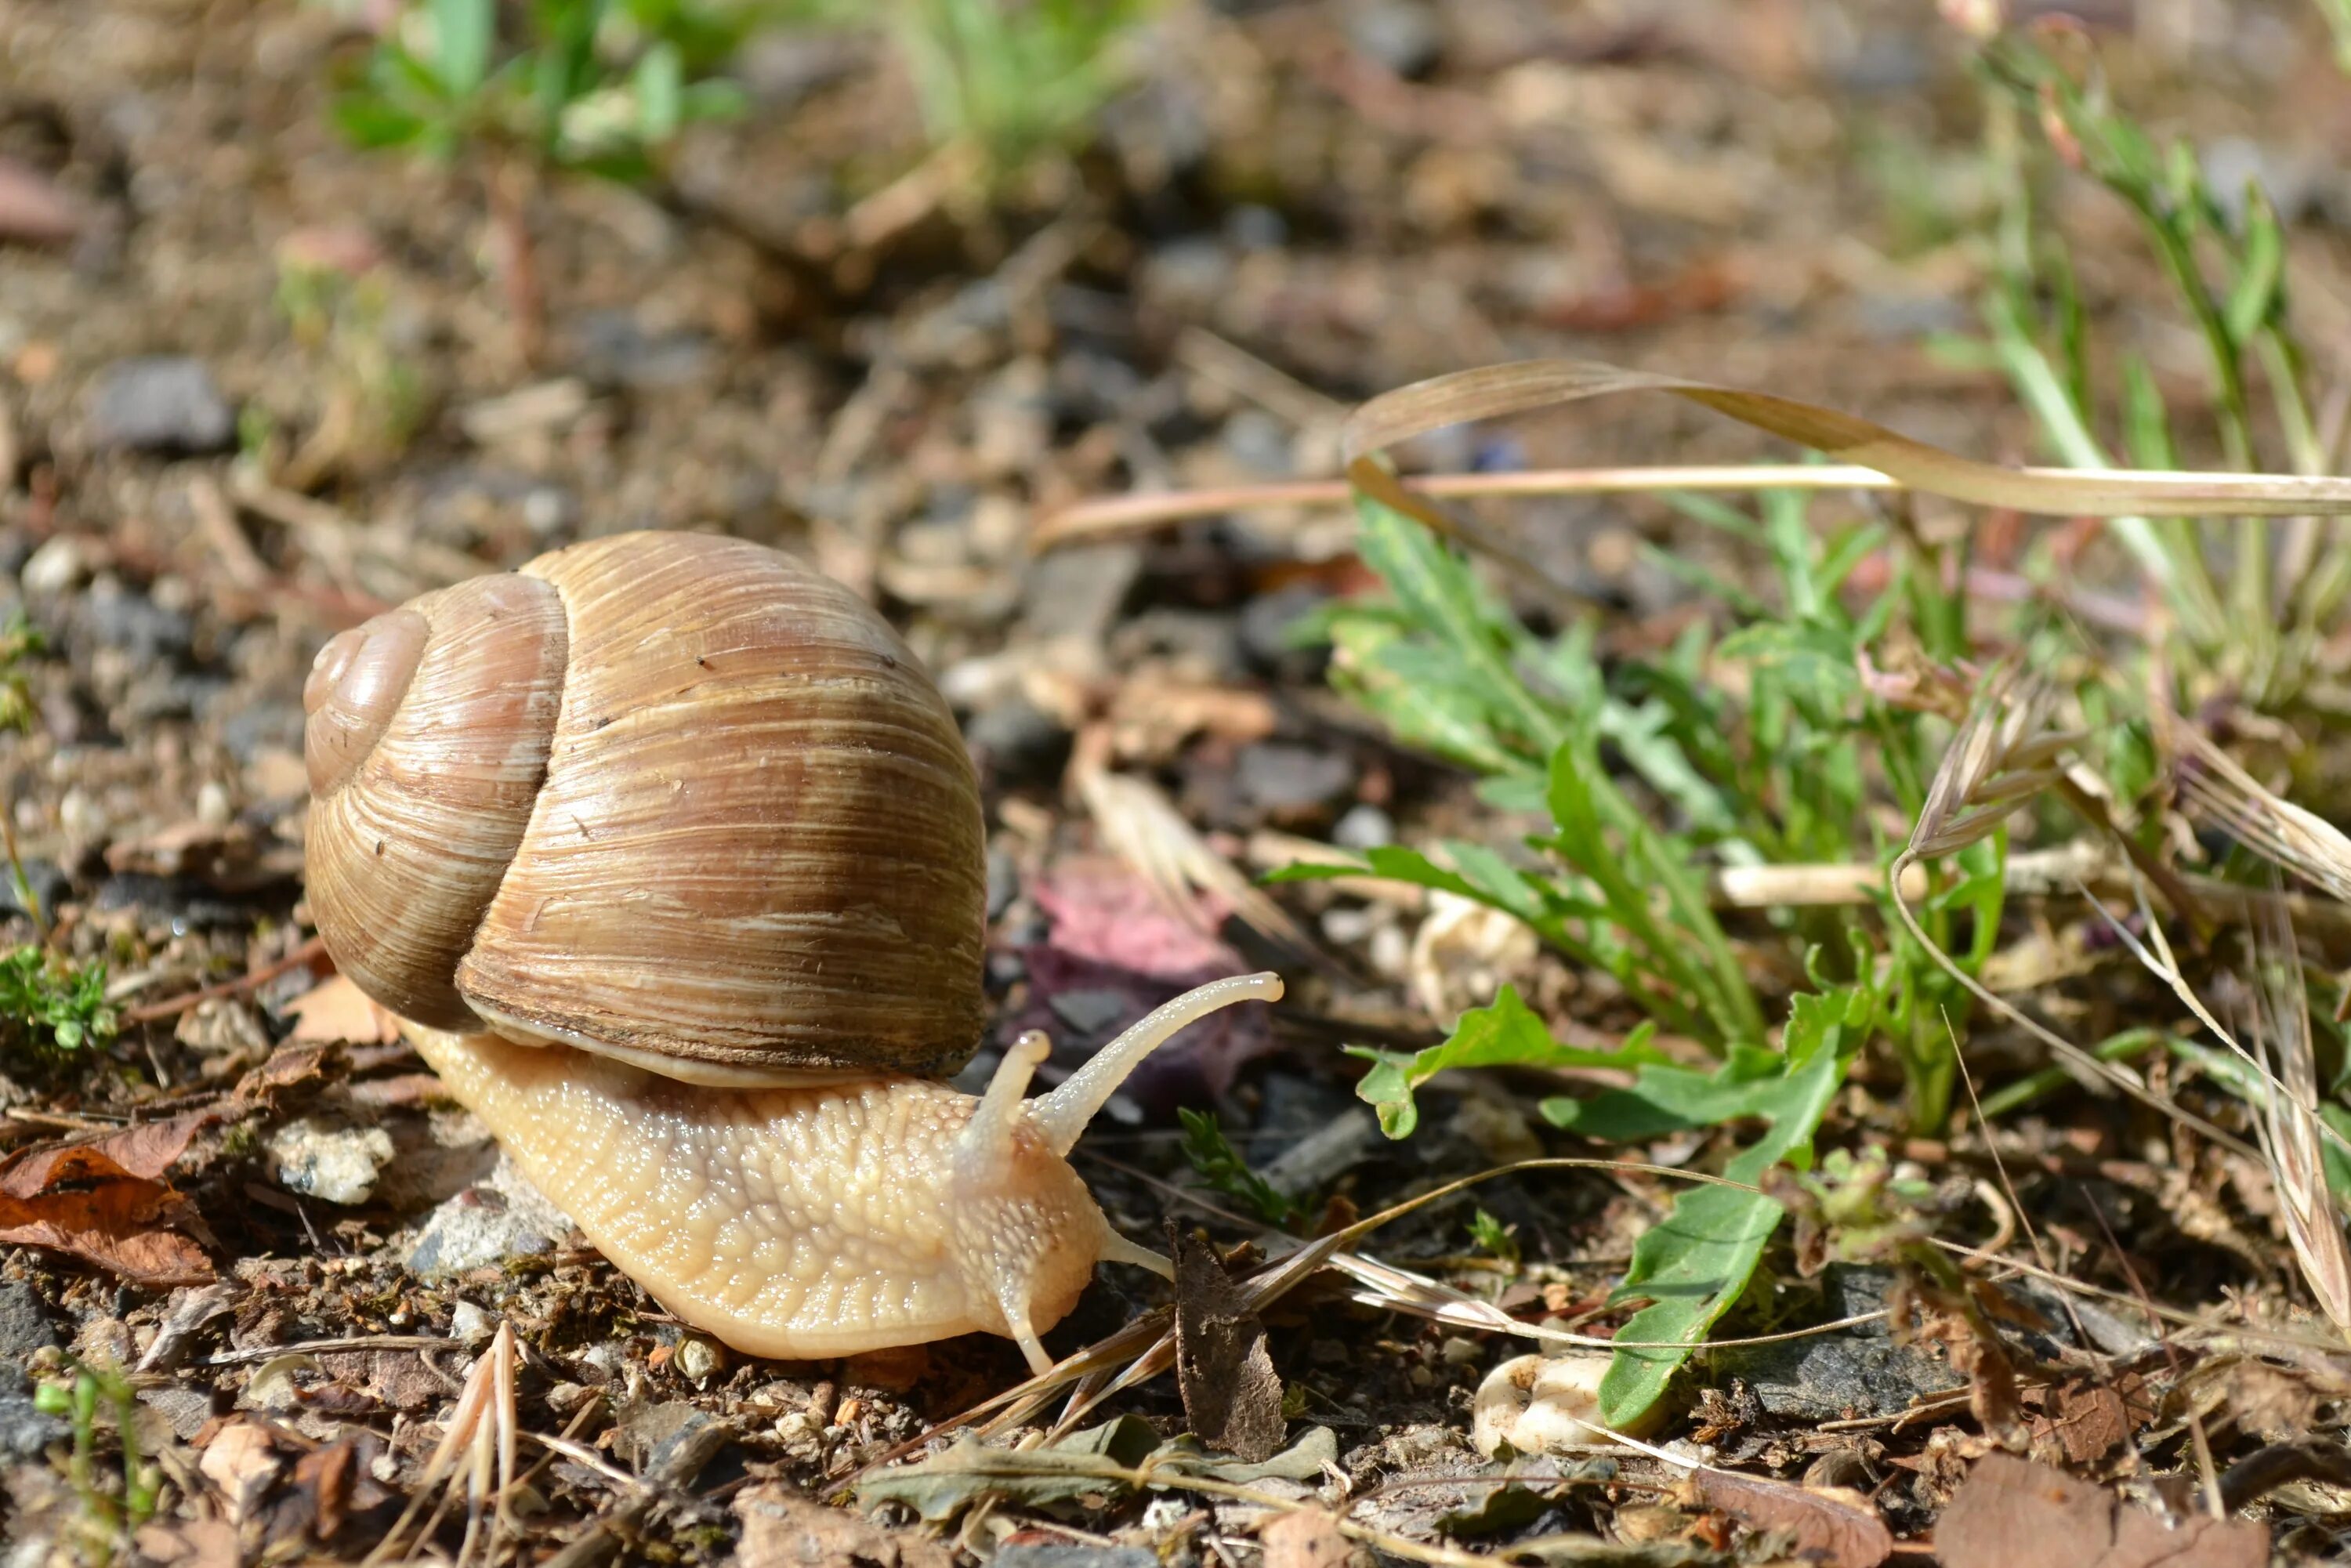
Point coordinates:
[(24, 1431), (1016, 742), (161, 403), (504, 1218), (261, 726), (1257, 441), (26, 1325), (1852, 1374), (113, 616), (1077, 593), (335, 1165), (1283, 779), (1364, 827), (1003, 882), (1269, 633), (616, 348), (1067, 1554), (1401, 35)]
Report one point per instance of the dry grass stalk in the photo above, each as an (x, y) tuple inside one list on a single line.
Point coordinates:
[(480, 1437), (2214, 786), (1998, 760), (2289, 1128), (1142, 827)]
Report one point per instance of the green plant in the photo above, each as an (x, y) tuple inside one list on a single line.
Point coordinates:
[(1012, 78), (375, 397), (110, 1513), (51, 1008), (1491, 1235), (1753, 744), (2225, 259), (1217, 1163), (601, 85)]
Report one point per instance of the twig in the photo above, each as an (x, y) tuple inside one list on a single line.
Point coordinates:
[(329, 1346), (309, 952)]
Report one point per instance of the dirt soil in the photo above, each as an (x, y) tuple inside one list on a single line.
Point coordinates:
[(1303, 205)]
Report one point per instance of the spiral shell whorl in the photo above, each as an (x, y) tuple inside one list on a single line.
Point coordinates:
[(666, 797), (426, 742)]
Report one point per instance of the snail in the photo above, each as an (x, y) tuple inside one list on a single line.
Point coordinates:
[(670, 860)]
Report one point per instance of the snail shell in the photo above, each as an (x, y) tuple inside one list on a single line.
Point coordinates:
[(668, 797)]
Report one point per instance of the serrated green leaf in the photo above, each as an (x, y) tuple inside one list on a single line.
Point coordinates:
[(1507, 1034), (1694, 1264)]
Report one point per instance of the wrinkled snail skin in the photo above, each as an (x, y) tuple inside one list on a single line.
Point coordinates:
[(795, 1223), (670, 860)]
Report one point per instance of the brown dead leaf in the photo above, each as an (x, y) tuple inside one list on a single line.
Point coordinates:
[(337, 1011), (2082, 1421), (2272, 1404), (1307, 1539), (2016, 1514), (1831, 1525), (782, 1527), (1232, 1396), (103, 1201), (188, 1543), (241, 1464)]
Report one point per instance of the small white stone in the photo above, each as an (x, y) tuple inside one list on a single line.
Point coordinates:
[(54, 567), (335, 1165), (469, 1325)]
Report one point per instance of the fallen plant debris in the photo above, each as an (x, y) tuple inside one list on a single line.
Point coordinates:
[(105, 1200), (2017, 1514)]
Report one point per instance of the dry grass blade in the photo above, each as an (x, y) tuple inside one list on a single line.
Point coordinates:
[(2214, 786), (1146, 1347), (1999, 748), (1109, 516), (2289, 1122), (479, 1439), (1492, 392), (1143, 828)]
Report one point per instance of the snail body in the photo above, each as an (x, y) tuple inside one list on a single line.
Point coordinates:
[(669, 859)]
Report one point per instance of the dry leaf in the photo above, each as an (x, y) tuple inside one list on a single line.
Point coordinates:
[(1829, 1525), (101, 1201), (241, 1464), (2082, 1421), (1307, 1539), (188, 1543), (783, 1528), (1232, 1396), (2015, 1514), (335, 1010)]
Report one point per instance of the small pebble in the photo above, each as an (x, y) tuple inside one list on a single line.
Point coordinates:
[(1363, 827), (469, 1325), (334, 1165), (163, 403), (700, 1359)]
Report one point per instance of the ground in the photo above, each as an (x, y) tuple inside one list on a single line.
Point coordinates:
[(1300, 205)]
